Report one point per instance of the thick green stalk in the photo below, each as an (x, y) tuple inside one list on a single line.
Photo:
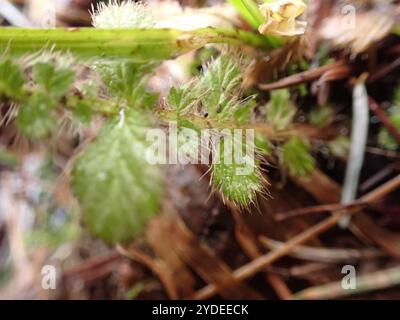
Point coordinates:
[(137, 44)]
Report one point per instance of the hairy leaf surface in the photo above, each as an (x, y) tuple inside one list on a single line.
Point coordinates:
[(118, 189)]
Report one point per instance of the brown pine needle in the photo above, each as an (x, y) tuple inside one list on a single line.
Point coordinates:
[(325, 255), (365, 283), (260, 263), (303, 77), (357, 205)]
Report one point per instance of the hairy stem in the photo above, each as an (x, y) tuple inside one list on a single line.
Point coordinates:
[(137, 44)]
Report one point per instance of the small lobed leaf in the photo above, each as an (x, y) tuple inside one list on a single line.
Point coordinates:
[(219, 88), (215, 96), (239, 189), (83, 111), (221, 81), (11, 79), (297, 158), (182, 99), (34, 116), (280, 110), (118, 189), (127, 81), (55, 81)]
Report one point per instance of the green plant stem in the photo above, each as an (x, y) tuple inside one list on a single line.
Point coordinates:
[(250, 12), (137, 44)]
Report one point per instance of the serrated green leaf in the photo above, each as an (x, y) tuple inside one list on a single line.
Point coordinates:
[(280, 109), (182, 99), (118, 189), (235, 183), (34, 116), (91, 102), (55, 81), (296, 157), (220, 82), (239, 189), (11, 79), (127, 81)]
